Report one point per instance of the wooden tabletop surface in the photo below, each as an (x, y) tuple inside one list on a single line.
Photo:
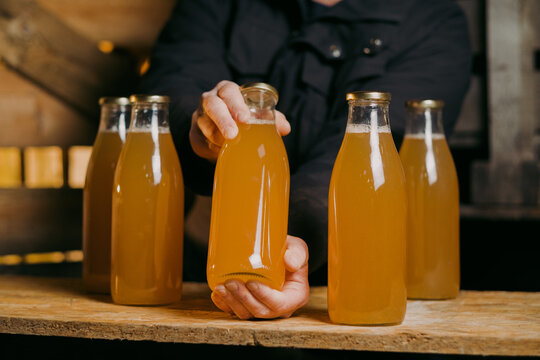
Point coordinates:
[(486, 323)]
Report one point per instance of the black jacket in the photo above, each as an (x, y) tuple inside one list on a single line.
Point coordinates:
[(313, 56)]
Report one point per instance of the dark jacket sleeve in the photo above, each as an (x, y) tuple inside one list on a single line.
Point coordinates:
[(188, 59), (432, 60)]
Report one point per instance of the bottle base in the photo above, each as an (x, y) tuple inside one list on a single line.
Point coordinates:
[(97, 284), (432, 296), (367, 323), (388, 317), (143, 303), (147, 297), (245, 277), (137, 304)]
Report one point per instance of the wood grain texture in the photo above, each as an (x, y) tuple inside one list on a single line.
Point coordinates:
[(44, 49), (33, 117), (486, 323), (40, 220), (129, 24)]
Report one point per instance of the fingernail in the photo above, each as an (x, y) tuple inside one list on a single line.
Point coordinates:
[(231, 132), (221, 290), (294, 262), (231, 286), (252, 286), (244, 117)]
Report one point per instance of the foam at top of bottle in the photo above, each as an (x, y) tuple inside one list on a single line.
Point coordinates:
[(422, 136), (260, 122), (364, 128), (161, 130)]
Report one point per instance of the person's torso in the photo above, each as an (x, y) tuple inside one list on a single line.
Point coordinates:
[(312, 57)]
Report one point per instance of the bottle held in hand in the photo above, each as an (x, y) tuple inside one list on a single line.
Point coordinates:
[(250, 201)]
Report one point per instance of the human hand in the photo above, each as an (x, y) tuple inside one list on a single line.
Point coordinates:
[(257, 300), (215, 119)]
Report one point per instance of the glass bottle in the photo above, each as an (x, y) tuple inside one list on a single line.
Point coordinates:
[(250, 202), (433, 193), (367, 219), (148, 210), (97, 193)]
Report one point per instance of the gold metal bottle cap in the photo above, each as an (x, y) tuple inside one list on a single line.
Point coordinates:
[(369, 95), (424, 104), (160, 99), (113, 100), (262, 86)]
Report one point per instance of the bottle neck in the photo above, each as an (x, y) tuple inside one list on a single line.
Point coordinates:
[(368, 115), (262, 115), (424, 122), (115, 118), (150, 117), (261, 105)]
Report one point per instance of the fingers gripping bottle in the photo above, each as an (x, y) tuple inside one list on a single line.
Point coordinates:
[(250, 201), (433, 194), (367, 218), (148, 210), (97, 193)]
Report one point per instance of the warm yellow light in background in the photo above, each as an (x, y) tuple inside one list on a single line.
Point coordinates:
[(54, 257), (106, 46), (145, 65), (10, 167), (44, 258), (43, 167), (74, 256), (78, 157), (10, 259)]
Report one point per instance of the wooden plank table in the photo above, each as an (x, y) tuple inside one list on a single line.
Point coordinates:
[(476, 323)]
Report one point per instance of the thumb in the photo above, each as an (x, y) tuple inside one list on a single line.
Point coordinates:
[(296, 255)]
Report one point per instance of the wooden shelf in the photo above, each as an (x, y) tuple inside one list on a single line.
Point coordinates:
[(476, 323)]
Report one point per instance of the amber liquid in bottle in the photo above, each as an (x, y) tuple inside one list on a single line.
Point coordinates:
[(367, 225), (148, 219), (433, 216), (97, 196)]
